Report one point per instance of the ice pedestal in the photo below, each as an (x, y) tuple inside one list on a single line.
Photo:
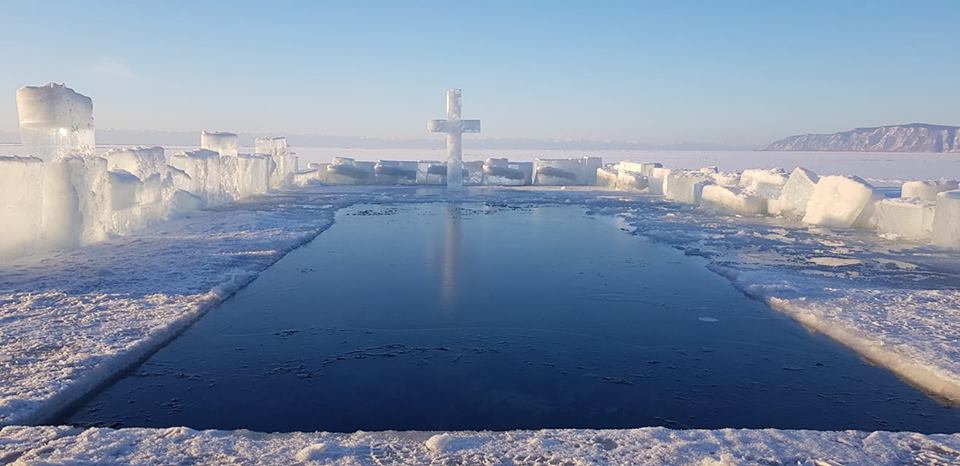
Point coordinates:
[(905, 218), (21, 182), (55, 121), (795, 195), (343, 170), (733, 200), (946, 220), (926, 190), (842, 202), (498, 172), (685, 186), (223, 143)]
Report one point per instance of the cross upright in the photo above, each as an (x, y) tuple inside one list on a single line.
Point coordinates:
[(454, 127)]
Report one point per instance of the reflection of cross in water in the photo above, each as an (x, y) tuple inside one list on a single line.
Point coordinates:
[(451, 251), (454, 127)]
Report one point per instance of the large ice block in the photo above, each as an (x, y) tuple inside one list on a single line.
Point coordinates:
[(733, 200), (795, 195), (842, 202), (631, 181), (926, 190), (21, 182), (643, 168), (685, 186), (284, 162), (725, 178), (344, 170), (607, 176), (203, 167), (55, 121), (766, 183), (909, 218), (473, 173), (946, 220), (140, 161), (589, 166), (221, 142), (391, 172), (498, 172), (245, 175), (431, 172), (656, 180), (558, 172)]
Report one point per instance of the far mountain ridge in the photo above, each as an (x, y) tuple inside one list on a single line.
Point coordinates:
[(911, 137)]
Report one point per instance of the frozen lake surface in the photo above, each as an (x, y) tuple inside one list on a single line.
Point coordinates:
[(483, 316)]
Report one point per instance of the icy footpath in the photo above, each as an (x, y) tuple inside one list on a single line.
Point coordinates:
[(70, 321), (896, 303), (654, 446)]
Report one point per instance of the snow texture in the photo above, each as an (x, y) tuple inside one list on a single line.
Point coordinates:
[(645, 446)]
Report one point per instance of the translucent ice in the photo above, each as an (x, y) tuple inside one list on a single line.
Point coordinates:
[(733, 200), (140, 161), (946, 220), (21, 179), (223, 143), (498, 172), (909, 218), (343, 170), (284, 164), (203, 168), (685, 186), (842, 202), (431, 172), (926, 190), (55, 121), (795, 195), (392, 172)]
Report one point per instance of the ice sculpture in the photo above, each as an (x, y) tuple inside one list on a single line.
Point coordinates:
[(454, 127)]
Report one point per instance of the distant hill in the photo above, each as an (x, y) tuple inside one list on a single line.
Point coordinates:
[(914, 137)]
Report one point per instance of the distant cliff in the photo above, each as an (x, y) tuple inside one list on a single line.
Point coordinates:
[(914, 137)]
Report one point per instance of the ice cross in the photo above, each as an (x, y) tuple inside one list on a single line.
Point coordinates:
[(454, 127)]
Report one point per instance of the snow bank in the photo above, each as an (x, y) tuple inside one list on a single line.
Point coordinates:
[(223, 143), (926, 190), (733, 200), (795, 195), (946, 220), (909, 218), (649, 445), (842, 202), (55, 121)]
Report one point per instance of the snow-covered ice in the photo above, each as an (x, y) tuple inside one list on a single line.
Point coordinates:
[(645, 446)]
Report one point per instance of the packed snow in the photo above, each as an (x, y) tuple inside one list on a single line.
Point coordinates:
[(646, 446)]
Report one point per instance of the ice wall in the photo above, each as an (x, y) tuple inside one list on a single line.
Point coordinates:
[(21, 182), (223, 143), (55, 121), (344, 170), (946, 220), (499, 172), (284, 164), (204, 169)]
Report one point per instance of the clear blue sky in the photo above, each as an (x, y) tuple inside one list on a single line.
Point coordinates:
[(658, 72)]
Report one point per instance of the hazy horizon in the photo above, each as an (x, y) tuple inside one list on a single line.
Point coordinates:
[(742, 74)]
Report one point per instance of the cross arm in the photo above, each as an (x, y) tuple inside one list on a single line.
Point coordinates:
[(459, 126)]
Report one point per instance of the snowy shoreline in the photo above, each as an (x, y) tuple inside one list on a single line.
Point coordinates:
[(649, 445)]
